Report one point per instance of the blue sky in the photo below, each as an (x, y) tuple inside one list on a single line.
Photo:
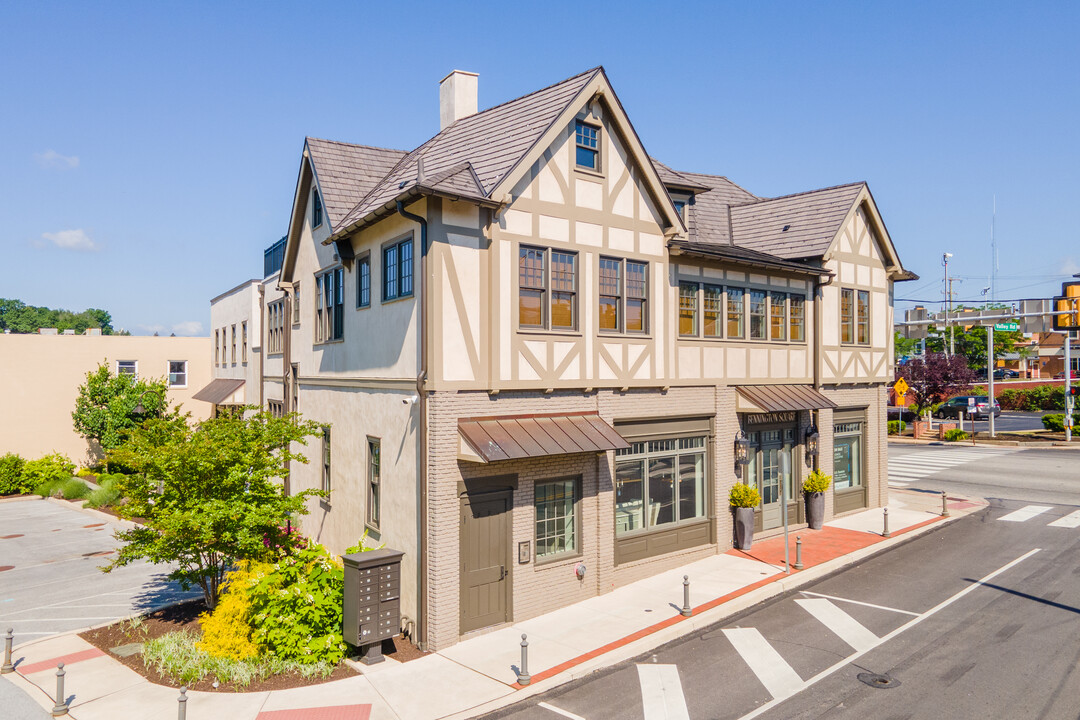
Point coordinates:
[(149, 151)]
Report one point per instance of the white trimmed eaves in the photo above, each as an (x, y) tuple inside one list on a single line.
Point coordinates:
[(299, 209), (866, 199)]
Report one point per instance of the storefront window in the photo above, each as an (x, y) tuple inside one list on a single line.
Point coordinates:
[(555, 510), (676, 489), (847, 455)]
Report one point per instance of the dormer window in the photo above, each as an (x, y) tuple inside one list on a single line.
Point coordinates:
[(588, 146), (680, 207), (316, 209)]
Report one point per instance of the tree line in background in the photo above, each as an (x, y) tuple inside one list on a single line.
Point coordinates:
[(20, 318)]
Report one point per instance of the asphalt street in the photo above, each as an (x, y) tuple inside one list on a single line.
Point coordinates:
[(976, 619)]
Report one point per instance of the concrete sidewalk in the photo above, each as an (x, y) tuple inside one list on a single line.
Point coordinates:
[(480, 674)]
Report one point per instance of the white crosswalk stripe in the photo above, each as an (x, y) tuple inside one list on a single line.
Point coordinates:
[(846, 627), (909, 467), (1072, 520), (779, 678), (661, 692), (1025, 513)]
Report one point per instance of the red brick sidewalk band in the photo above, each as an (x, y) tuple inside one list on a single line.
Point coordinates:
[(66, 659), (335, 712)]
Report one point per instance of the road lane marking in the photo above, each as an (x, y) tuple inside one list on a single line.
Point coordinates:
[(843, 625), (859, 602), (1025, 513), (661, 692), (1072, 520), (779, 678), (559, 711), (906, 626)]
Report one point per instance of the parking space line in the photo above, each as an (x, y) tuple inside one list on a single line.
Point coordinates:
[(559, 711), (1072, 520), (843, 625), (859, 602), (779, 678), (661, 692)]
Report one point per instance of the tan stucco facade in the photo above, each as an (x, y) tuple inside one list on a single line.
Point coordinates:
[(40, 376)]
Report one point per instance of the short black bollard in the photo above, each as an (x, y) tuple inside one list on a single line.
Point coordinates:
[(524, 678), (944, 504), (886, 516), (181, 705), (798, 552), (9, 637), (685, 611), (61, 706)]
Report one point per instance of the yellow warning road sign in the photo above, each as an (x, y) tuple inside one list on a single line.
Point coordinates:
[(900, 387)]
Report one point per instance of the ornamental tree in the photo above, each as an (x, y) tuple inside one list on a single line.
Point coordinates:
[(210, 495), (935, 378)]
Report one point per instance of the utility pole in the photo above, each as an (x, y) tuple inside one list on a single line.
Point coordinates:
[(1068, 382), (948, 298), (989, 375), (952, 324)]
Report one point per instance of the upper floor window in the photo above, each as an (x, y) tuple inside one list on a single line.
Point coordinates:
[(862, 317), (854, 316), (680, 207), (398, 270), (777, 316), (797, 318), (706, 310), (758, 315), (547, 300), (275, 326), (624, 295), (325, 459), (374, 504), (587, 139), (713, 311), (178, 373), (316, 209), (232, 351), (363, 282), (127, 367), (296, 303), (736, 313), (688, 308), (243, 342), (329, 306), (217, 347)]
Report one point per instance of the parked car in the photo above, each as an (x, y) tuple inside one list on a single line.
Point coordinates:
[(1061, 375), (1005, 374), (957, 407)]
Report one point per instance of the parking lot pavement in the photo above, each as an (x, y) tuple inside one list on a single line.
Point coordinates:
[(50, 581)]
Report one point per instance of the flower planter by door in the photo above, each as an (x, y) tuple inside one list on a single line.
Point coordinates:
[(744, 527), (815, 509)]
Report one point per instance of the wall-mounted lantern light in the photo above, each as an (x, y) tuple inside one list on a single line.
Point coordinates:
[(742, 453), (812, 438)]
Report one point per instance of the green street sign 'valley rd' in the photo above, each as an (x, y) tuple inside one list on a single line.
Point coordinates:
[(1007, 327)]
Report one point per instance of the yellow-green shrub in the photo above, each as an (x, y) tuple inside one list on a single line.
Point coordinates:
[(227, 630)]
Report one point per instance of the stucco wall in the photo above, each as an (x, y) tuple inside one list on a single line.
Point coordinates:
[(40, 376)]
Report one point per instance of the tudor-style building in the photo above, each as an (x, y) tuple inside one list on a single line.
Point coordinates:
[(535, 348)]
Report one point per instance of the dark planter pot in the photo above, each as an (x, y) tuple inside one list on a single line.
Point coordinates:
[(815, 509), (744, 527)]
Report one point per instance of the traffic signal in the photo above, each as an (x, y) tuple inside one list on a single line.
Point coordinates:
[(1074, 390), (1066, 307)]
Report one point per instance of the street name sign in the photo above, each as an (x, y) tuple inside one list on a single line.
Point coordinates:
[(1007, 326)]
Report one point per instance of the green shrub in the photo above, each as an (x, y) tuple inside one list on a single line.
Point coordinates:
[(296, 607), (12, 481), (1033, 399), (1055, 422), (816, 482), (955, 435), (73, 489), (743, 495), (50, 469), (107, 494), (896, 427), (86, 473), (227, 630)]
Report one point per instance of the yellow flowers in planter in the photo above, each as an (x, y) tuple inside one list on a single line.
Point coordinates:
[(743, 495), (226, 631), (816, 482)]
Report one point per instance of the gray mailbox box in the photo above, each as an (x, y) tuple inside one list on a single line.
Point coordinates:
[(372, 602)]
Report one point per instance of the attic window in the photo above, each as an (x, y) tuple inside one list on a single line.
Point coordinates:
[(588, 146), (316, 209)]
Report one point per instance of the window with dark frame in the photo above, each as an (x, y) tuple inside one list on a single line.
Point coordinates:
[(232, 352), (217, 347), (398, 270), (712, 311), (363, 282), (847, 316), (532, 284), (797, 317), (563, 290), (374, 479), (862, 311), (296, 303), (547, 299), (660, 483), (275, 326), (330, 306), (316, 209), (610, 294), (758, 315), (688, 309), (587, 141), (326, 460), (556, 517), (243, 342), (777, 316), (736, 313), (637, 297)]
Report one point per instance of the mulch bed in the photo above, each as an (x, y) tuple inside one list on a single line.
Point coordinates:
[(185, 616)]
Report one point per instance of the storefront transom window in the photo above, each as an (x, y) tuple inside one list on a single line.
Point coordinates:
[(659, 484)]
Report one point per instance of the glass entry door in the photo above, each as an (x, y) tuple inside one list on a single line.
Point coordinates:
[(766, 450)]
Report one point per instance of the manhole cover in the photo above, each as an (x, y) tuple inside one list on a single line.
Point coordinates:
[(10, 537), (878, 681)]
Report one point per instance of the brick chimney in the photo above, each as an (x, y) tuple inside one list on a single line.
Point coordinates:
[(457, 97)]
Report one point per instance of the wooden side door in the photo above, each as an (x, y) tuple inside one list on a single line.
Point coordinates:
[(485, 565)]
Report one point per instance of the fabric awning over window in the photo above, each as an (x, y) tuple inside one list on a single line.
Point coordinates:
[(222, 391), (513, 437), (777, 398)]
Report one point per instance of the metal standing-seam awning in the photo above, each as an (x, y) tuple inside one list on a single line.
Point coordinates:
[(222, 391), (777, 398), (513, 437)]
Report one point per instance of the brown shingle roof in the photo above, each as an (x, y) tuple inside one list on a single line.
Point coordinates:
[(492, 141), (348, 172), (812, 220), (709, 221)]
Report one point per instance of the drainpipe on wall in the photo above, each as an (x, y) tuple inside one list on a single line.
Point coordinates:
[(421, 380)]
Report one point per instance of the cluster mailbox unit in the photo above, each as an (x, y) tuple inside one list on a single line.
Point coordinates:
[(372, 601)]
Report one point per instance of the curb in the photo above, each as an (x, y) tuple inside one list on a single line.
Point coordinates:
[(678, 627)]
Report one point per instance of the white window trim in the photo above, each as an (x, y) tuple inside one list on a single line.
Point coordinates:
[(131, 361), (168, 373)]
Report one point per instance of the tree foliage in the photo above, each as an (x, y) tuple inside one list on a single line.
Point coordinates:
[(970, 342), (935, 378), (17, 316), (210, 494), (107, 408)]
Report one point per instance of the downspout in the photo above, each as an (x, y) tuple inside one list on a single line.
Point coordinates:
[(421, 380)]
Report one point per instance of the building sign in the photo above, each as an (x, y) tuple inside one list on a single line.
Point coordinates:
[(773, 418)]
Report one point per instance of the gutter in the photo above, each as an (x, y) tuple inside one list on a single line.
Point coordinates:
[(421, 380), (391, 206)]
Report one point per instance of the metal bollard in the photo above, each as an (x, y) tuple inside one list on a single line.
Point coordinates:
[(944, 504), (886, 516), (524, 678), (181, 704), (9, 637), (686, 611), (61, 706), (798, 553)]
